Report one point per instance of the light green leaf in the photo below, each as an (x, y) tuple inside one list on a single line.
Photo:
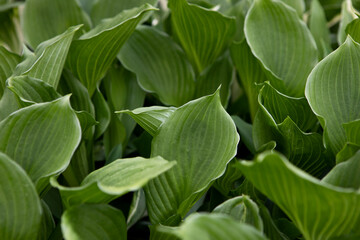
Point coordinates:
[(93, 222), (137, 208), (44, 19), (150, 118), (282, 43), (20, 207), (31, 90), (113, 180), (242, 209), (250, 71), (313, 205), (345, 174), (8, 62), (160, 66), (347, 16), (93, 53), (41, 138), (47, 62), (226, 184), (205, 138), (353, 29), (109, 8), (332, 92), (204, 34), (8, 104), (297, 5), (319, 29), (347, 152), (215, 226)]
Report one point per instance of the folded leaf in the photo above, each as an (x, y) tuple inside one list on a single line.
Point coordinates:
[(203, 34), (41, 138), (44, 19), (47, 223), (215, 226), (160, 65), (333, 94), (8, 62), (353, 30), (297, 5), (47, 62), (102, 113), (20, 207), (92, 54), (282, 43), (93, 222), (309, 203), (10, 34), (113, 180), (347, 15), (206, 140)]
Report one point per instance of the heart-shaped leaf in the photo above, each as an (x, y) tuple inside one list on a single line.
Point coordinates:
[(20, 207)]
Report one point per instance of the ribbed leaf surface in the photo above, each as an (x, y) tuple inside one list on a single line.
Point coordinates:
[(8, 62), (312, 205), (20, 208)]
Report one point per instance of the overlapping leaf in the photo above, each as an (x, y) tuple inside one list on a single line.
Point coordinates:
[(203, 34), (93, 222), (312, 205), (8, 62), (92, 54), (41, 138), (332, 92), (271, 23), (298, 5), (353, 30), (347, 16), (113, 180), (198, 135), (44, 19), (10, 34)]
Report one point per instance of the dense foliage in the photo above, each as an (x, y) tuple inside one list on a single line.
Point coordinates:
[(179, 119)]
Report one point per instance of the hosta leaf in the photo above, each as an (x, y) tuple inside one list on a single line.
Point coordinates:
[(347, 15), (20, 207), (92, 54), (312, 205), (137, 208), (245, 130), (353, 30), (345, 174), (295, 54), (243, 209), (109, 8), (319, 29), (215, 226), (44, 19), (333, 94), (41, 138), (150, 118), (113, 180), (8, 62), (219, 73), (205, 138), (48, 60), (93, 222), (102, 113), (250, 71), (10, 34), (203, 34), (31, 90), (160, 65), (298, 5), (47, 223)]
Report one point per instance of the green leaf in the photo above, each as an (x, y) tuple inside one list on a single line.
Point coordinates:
[(102, 113), (150, 118), (8, 62), (93, 222), (282, 43), (243, 209), (250, 71), (215, 226), (109, 8), (204, 34), (332, 92), (10, 33), (137, 208), (93, 53), (309, 206), (319, 29), (205, 138), (31, 90), (41, 138), (353, 29), (47, 223), (347, 16), (226, 184), (160, 65), (245, 130), (20, 207), (297, 5), (43, 20), (47, 62), (345, 174), (113, 180)]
